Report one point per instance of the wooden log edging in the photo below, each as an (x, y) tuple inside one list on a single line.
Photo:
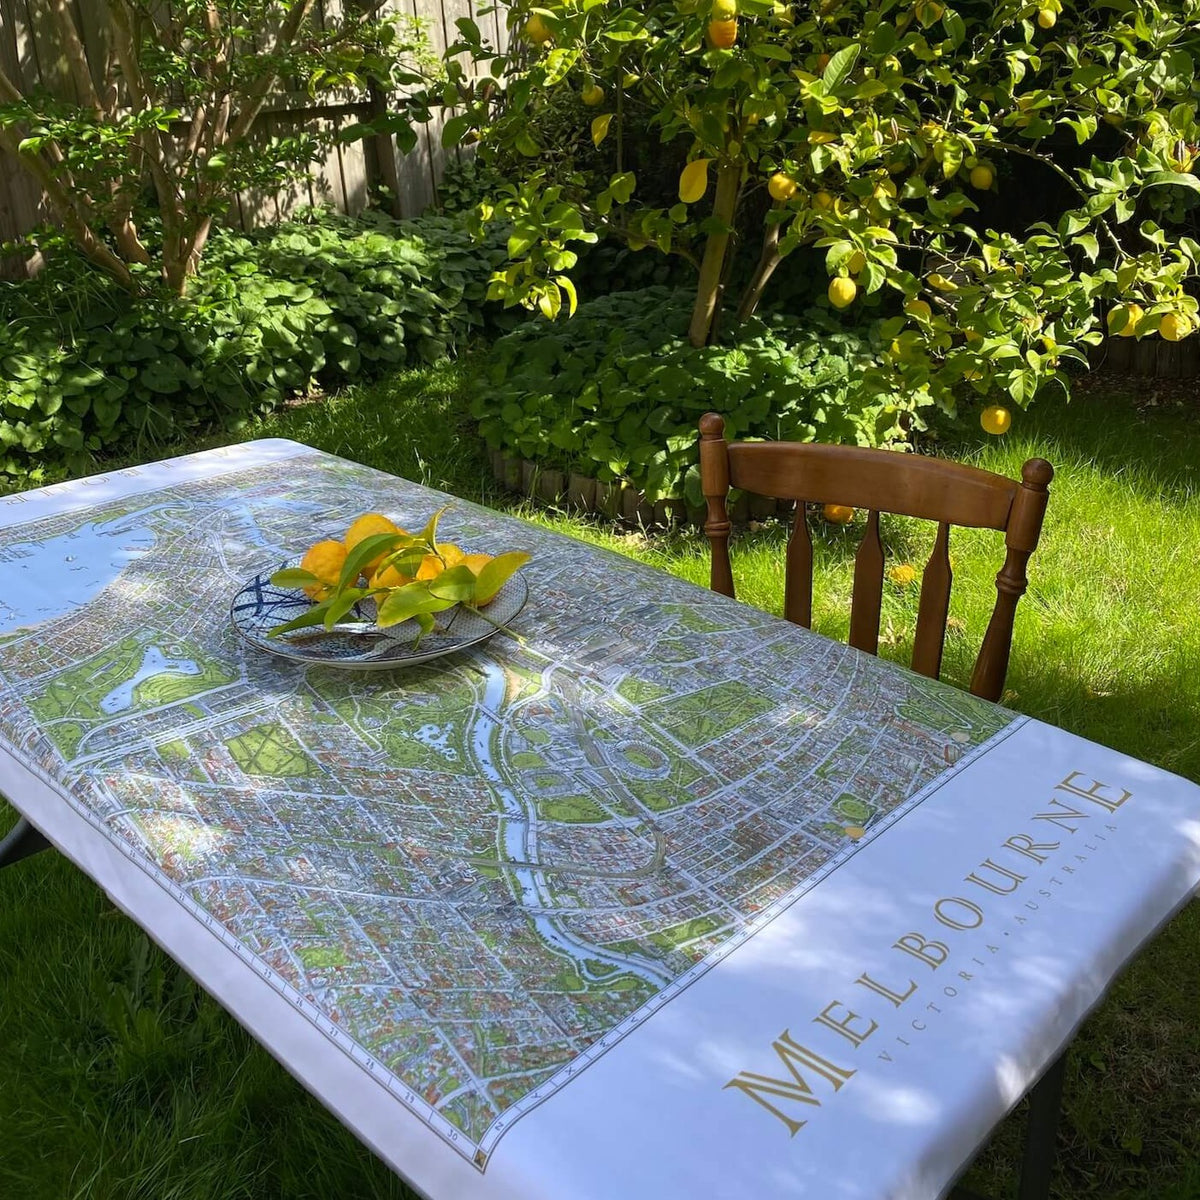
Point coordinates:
[(616, 501)]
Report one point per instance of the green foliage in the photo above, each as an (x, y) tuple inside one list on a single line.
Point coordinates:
[(893, 130), (617, 392), (84, 366)]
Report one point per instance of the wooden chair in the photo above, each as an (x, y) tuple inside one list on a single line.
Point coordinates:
[(882, 481)]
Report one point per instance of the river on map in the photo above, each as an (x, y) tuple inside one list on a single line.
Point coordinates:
[(50, 579), (520, 844), (154, 662)]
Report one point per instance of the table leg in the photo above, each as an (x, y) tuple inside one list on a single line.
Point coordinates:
[(1045, 1102), (20, 842), (1041, 1131)]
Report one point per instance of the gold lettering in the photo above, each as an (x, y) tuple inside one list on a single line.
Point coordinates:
[(1029, 846), (987, 865), (864, 980), (797, 1089), (1092, 793), (931, 953), (854, 1036), (1060, 818), (971, 907)]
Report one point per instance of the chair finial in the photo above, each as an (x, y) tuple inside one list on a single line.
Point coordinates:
[(1037, 473), (712, 427)]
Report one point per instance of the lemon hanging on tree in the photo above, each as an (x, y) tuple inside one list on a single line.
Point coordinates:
[(982, 177), (1047, 18), (842, 292), (781, 187), (1174, 327), (593, 95), (693, 180), (537, 30), (995, 419), (723, 34)]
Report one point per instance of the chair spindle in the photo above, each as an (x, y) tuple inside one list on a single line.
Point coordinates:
[(714, 472), (934, 608), (868, 589), (797, 583)]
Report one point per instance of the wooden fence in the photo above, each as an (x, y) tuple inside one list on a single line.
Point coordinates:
[(31, 54)]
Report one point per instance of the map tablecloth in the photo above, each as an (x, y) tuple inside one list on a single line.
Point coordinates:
[(671, 899)]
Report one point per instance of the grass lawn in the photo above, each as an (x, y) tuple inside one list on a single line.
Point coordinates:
[(121, 1079)]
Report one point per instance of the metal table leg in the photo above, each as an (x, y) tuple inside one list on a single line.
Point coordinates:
[(20, 842), (1041, 1130)]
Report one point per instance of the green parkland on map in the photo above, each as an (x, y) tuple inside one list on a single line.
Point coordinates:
[(478, 868)]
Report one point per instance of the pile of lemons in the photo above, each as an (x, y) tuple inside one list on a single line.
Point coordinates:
[(326, 559)]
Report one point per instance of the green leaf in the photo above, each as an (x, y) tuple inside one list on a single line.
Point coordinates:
[(1175, 178), (293, 577), (455, 130), (314, 616), (366, 550), (840, 65), (340, 605), (497, 573), (403, 603), (455, 584)]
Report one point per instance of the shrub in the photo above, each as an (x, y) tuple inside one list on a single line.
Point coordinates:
[(616, 393), (164, 102), (84, 365)]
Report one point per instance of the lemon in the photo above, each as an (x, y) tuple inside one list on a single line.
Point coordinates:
[(593, 95), (1174, 327), (823, 200), (842, 292), (724, 10), (995, 419), (324, 560), (838, 514), (389, 577), (902, 574), (982, 177), (1047, 18), (1133, 314), (693, 180), (537, 31), (368, 525), (919, 309), (782, 187), (723, 34)]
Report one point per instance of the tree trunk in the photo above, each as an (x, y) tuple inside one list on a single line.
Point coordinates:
[(729, 185), (768, 260)]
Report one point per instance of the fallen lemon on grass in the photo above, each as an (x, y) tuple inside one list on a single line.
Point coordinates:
[(838, 514), (995, 419), (902, 574)]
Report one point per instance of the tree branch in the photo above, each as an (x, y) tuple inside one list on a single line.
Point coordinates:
[(77, 60), (256, 97), (83, 234)]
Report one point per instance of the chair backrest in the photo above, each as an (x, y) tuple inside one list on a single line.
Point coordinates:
[(882, 481)]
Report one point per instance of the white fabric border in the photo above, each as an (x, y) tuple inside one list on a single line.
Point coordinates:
[(95, 490)]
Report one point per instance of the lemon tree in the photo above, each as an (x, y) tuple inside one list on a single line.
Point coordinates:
[(882, 135)]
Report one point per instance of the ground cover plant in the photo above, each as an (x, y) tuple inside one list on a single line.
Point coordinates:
[(313, 303), (123, 1080), (615, 393), (887, 138)]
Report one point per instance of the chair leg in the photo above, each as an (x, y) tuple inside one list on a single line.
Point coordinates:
[(20, 842), (1045, 1103)]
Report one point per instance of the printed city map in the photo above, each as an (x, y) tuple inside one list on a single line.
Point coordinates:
[(482, 872)]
